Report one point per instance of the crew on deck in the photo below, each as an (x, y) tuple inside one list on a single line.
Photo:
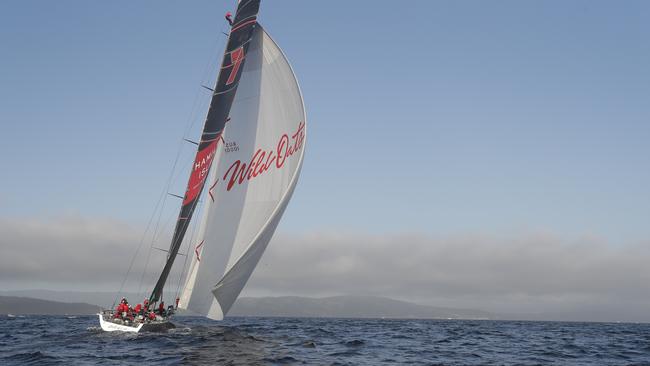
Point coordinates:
[(122, 309), (137, 309), (143, 312)]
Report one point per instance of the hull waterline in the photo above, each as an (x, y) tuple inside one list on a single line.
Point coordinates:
[(109, 326)]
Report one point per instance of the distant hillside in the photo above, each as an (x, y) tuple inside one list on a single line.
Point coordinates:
[(29, 306), (337, 306), (104, 299), (289, 306), (347, 307)]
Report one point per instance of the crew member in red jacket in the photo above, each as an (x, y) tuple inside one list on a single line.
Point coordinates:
[(122, 308), (161, 308), (137, 309)]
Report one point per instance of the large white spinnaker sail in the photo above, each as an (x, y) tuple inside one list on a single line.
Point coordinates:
[(255, 172)]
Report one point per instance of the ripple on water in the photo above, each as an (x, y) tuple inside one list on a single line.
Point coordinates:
[(309, 344), (35, 358), (355, 343), (264, 341)]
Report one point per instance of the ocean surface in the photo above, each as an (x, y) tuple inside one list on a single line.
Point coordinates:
[(45, 340)]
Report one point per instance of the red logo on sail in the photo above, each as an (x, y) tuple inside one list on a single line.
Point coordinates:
[(262, 161), (200, 170), (236, 59)]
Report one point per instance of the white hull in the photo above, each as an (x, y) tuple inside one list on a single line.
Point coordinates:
[(157, 326), (113, 327)]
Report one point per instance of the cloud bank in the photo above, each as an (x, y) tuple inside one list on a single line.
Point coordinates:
[(526, 273), (67, 253)]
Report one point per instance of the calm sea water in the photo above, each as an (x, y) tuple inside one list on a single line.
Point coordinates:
[(43, 340)]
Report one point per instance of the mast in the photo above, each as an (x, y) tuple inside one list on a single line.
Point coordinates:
[(224, 93)]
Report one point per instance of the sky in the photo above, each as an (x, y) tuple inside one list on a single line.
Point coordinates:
[(465, 153)]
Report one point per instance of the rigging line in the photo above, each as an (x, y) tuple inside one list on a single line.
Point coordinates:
[(156, 236), (185, 225), (190, 124), (210, 65), (172, 177), (201, 206), (207, 74), (171, 216), (160, 228), (184, 169), (155, 232), (158, 233), (187, 252), (153, 236), (168, 219), (191, 239), (142, 240), (161, 198), (136, 252), (194, 209)]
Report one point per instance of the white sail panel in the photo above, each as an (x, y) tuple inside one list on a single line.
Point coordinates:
[(256, 170), (221, 214)]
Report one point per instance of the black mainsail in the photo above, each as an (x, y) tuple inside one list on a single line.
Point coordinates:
[(224, 93)]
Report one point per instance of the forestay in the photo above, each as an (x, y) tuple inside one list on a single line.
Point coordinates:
[(257, 167)]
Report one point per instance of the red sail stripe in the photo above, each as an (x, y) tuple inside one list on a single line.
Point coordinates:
[(196, 250), (210, 190), (243, 25)]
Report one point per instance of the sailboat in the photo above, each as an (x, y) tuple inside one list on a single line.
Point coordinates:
[(245, 170)]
